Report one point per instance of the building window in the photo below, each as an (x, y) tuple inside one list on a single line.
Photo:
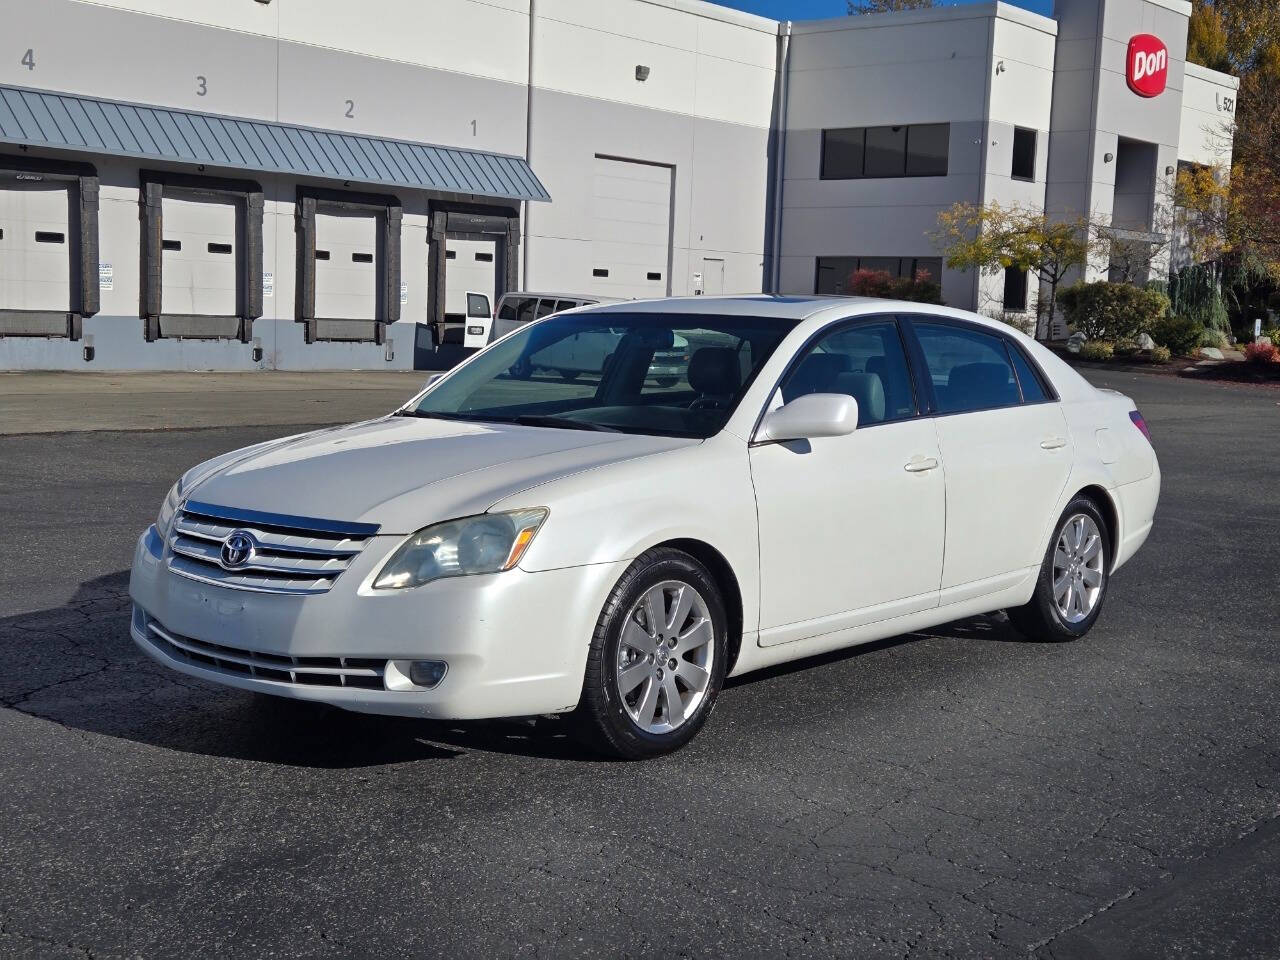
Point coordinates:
[(835, 274), (1015, 289), (855, 153), (1024, 154)]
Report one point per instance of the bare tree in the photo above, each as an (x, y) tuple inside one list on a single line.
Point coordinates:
[(857, 7)]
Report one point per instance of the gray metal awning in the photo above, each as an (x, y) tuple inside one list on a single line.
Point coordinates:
[(41, 118)]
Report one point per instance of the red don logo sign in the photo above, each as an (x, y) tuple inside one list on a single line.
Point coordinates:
[(1147, 65)]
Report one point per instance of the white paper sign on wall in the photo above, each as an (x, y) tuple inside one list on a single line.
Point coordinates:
[(268, 284), (106, 277), (404, 291)]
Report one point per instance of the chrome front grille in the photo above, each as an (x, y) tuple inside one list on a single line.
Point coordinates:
[(295, 555), (363, 672)]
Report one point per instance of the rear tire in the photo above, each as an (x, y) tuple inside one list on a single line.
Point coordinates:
[(1073, 579), (657, 658)]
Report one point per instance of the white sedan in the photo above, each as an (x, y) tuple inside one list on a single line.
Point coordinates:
[(822, 473)]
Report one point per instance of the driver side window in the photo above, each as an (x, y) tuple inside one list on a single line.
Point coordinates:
[(865, 361)]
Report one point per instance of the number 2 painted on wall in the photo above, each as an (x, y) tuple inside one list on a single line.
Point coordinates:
[(351, 109)]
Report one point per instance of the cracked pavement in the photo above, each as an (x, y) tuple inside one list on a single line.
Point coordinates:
[(961, 793)]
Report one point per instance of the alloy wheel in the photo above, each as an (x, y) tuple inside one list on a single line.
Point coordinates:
[(665, 657), (1078, 568)]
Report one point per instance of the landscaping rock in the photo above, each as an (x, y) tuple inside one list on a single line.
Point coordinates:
[(1263, 340), (1211, 353), (1076, 341), (1145, 342)]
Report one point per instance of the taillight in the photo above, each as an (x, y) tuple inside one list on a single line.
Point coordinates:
[(1140, 423)]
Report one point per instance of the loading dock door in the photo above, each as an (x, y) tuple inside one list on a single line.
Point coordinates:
[(468, 265), (35, 248), (346, 266), (630, 229), (199, 247)]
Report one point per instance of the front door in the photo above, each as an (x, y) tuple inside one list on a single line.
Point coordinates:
[(851, 528), (1006, 450)]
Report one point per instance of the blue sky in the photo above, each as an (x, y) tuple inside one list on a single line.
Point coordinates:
[(815, 9)]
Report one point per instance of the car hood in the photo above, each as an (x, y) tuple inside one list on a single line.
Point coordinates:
[(403, 472)]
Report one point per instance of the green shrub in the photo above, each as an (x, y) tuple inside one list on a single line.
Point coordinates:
[(1180, 334), (1125, 348), (1213, 338), (1097, 350), (1161, 354), (1112, 311)]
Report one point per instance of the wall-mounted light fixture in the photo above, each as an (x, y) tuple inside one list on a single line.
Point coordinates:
[(1168, 171), (642, 72), (1108, 157), (999, 68)]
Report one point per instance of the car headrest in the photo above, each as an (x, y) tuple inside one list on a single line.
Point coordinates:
[(981, 384), (714, 371), (816, 374), (868, 390)]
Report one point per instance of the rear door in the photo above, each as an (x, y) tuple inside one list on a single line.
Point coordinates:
[(479, 319), (1006, 453)]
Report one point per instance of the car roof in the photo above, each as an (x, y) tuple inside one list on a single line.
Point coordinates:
[(782, 307)]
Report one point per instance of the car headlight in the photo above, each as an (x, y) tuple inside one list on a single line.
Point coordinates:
[(168, 509), (489, 543)]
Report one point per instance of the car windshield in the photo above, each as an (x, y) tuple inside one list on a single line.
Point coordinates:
[(669, 374)]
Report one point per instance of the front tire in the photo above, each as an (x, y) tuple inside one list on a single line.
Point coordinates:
[(657, 658), (1073, 579)]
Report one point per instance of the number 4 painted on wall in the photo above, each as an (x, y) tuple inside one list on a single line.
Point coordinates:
[(29, 59)]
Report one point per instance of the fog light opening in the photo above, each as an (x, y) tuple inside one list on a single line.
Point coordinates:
[(427, 673)]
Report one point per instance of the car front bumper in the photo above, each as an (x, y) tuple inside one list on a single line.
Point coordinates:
[(515, 643)]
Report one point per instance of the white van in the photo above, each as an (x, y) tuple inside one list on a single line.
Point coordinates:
[(519, 307)]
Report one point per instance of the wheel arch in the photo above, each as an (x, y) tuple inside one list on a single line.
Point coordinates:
[(722, 572), (1110, 512)]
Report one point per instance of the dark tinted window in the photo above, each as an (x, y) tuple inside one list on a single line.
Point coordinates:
[(927, 149), (970, 370), (1024, 154), (865, 361), (917, 150), (886, 152), (546, 308), (1032, 389), (842, 153), (1015, 289)]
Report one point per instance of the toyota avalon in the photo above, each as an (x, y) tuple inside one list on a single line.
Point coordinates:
[(808, 474)]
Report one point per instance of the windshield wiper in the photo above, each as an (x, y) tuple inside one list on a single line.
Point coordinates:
[(538, 420), (429, 415)]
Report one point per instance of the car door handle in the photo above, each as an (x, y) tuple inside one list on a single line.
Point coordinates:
[(1054, 443), (920, 464)]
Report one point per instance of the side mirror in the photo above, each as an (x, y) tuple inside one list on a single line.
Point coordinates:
[(811, 416)]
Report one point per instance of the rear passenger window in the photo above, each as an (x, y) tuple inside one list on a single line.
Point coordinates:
[(970, 370), (865, 361), (546, 308), (1032, 389)]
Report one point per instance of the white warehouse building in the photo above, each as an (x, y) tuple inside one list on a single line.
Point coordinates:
[(315, 184)]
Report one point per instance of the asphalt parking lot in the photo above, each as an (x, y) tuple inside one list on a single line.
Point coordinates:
[(963, 793)]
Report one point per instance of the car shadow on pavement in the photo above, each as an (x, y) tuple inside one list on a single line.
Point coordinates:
[(76, 665)]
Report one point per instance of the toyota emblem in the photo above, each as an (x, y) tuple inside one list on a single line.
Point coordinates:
[(237, 549)]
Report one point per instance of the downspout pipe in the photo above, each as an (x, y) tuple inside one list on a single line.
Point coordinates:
[(779, 155), (525, 231)]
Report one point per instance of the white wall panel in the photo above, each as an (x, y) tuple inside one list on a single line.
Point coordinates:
[(1205, 130), (486, 38)]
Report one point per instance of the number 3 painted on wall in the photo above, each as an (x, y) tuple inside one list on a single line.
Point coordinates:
[(202, 86)]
